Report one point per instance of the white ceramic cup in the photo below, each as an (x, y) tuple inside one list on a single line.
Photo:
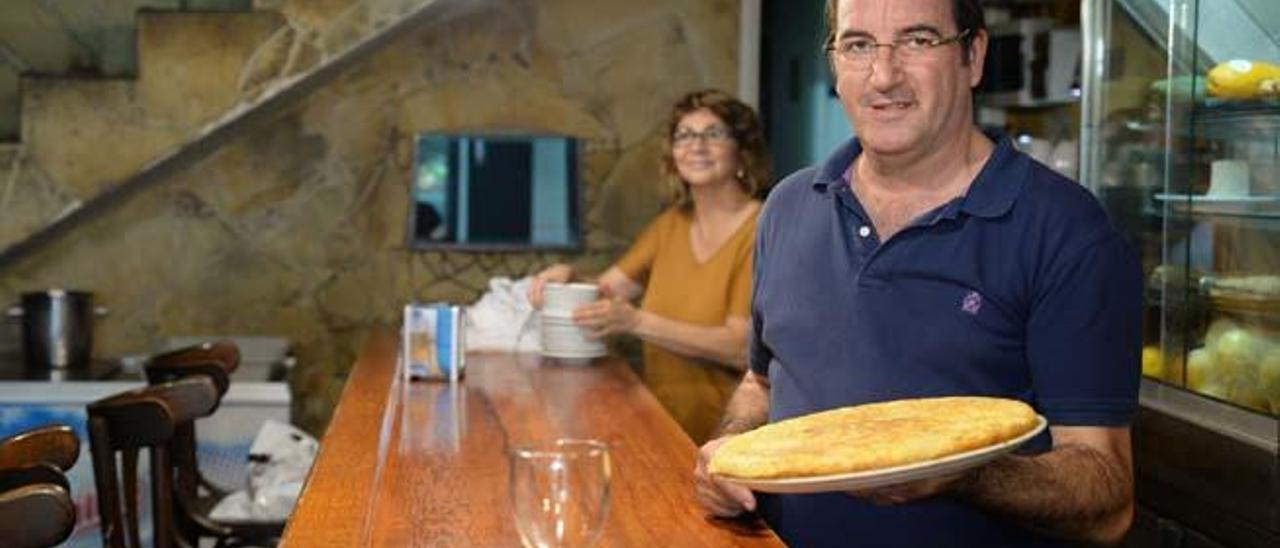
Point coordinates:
[(1229, 178), (559, 300), (562, 338)]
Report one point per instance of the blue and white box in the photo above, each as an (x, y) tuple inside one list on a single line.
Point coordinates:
[(433, 339)]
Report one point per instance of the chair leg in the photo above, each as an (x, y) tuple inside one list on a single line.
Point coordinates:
[(130, 469)]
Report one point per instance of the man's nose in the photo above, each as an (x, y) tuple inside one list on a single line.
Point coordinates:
[(885, 72)]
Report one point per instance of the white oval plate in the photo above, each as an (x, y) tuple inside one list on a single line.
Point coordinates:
[(889, 476), (572, 355)]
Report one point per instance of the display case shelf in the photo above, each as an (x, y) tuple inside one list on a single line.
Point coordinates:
[(1235, 119), (1260, 208)]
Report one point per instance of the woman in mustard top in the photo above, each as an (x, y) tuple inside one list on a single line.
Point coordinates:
[(690, 269)]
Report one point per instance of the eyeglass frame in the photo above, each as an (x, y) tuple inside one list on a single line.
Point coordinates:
[(718, 135), (893, 46)]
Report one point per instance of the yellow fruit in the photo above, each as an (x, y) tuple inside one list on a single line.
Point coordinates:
[(1216, 329), (1215, 389), (1249, 395), (1241, 79), (1152, 362), (1199, 368), (1269, 371), (1236, 352)]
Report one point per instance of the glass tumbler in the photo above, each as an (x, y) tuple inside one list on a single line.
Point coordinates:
[(560, 492)]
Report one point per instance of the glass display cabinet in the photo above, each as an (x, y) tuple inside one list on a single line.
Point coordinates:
[(1180, 140)]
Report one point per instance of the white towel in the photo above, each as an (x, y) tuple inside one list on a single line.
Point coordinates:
[(503, 319)]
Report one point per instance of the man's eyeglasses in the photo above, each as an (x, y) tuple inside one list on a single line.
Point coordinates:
[(859, 52), (715, 135)]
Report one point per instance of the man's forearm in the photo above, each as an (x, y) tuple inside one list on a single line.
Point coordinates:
[(748, 408), (1075, 492)]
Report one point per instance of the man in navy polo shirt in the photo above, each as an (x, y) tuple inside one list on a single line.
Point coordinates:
[(924, 258)]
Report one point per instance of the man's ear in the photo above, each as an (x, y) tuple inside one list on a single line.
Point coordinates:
[(977, 57)]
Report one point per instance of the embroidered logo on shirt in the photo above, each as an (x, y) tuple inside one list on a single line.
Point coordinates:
[(972, 303)]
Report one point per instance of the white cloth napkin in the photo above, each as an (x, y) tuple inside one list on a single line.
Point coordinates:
[(502, 319)]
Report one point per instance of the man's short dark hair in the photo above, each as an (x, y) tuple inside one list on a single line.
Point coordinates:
[(967, 15)]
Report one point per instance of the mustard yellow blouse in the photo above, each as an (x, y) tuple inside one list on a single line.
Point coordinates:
[(680, 288)]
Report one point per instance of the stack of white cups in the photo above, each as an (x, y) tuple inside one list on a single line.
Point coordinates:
[(561, 338)]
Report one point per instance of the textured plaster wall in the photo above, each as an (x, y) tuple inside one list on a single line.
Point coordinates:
[(297, 228)]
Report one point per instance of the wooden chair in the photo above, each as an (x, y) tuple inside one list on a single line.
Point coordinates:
[(215, 360), (55, 445), (13, 478), (195, 496), (35, 515), (35, 497), (127, 424), (38, 455)]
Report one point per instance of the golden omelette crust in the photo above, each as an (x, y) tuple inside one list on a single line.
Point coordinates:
[(871, 436)]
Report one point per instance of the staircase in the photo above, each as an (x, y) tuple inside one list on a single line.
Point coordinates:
[(202, 78)]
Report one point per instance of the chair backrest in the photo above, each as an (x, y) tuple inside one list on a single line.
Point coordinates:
[(214, 359), (35, 516), (13, 478), (126, 424), (54, 444)]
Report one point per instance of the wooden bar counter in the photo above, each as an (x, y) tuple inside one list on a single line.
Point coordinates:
[(423, 464)]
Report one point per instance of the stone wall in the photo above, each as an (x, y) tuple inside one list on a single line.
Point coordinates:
[(298, 227)]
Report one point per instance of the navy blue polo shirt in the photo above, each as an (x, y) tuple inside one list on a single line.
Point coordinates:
[(1021, 288)]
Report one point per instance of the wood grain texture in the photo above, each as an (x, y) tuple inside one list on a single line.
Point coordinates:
[(424, 464)]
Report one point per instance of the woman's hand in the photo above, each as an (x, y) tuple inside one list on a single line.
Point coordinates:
[(557, 273), (609, 315)]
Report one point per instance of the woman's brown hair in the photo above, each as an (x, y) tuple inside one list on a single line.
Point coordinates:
[(740, 118)]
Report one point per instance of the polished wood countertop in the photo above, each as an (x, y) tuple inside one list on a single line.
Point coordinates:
[(425, 464)]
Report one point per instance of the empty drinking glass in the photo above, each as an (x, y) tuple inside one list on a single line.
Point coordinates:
[(560, 492)]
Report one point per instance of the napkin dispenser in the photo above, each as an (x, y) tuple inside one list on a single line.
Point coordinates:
[(433, 341)]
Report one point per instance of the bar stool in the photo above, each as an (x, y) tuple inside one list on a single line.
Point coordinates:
[(36, 509), (38, 455), (55, 444), (195, 496), (35, 515), (215, 360), (125, 425)]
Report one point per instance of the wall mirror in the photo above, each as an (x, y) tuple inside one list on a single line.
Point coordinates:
[(497, 191)]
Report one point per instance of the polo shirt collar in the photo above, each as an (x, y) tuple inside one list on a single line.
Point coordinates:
[(992, 193)]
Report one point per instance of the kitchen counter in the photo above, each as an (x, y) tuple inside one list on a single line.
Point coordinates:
[(423, 463)]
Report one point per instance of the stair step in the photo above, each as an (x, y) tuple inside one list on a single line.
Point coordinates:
[(191, 63), (8, 151), (36, 37), (69, 125)]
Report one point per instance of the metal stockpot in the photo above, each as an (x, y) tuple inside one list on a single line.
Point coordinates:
[(57, 328)]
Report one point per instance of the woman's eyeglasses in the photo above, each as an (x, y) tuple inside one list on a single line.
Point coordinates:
[(715, 135)]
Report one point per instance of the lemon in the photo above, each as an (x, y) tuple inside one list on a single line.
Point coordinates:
[(1216, 390), (1236, 352), (1216, 329), (1200, 364), (1250, 395), (1152, 362), (1269, 371)]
